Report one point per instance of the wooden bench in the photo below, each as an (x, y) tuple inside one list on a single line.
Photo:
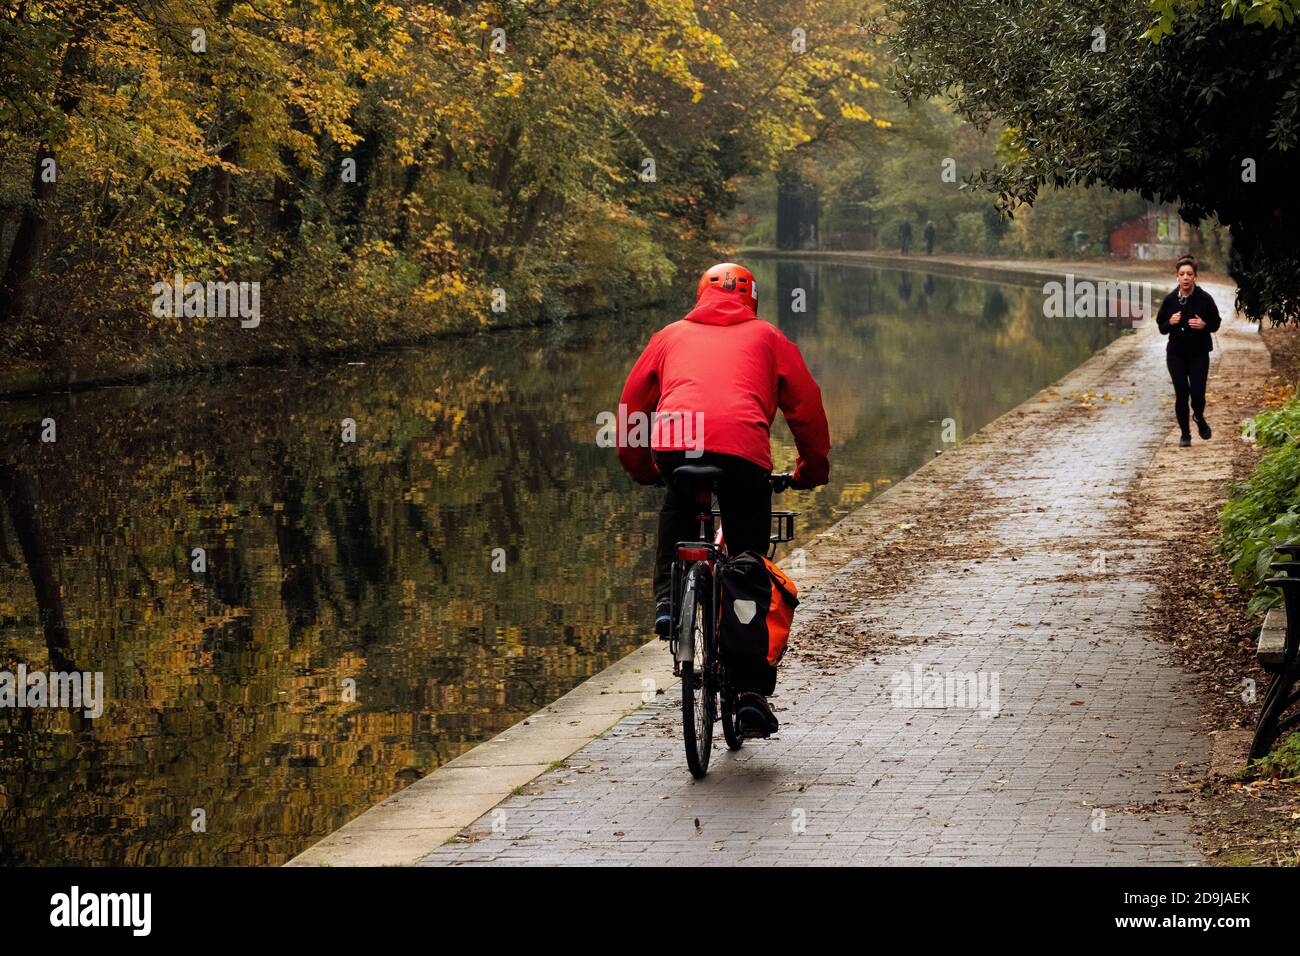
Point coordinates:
[(1278, 651), (1271, 648)]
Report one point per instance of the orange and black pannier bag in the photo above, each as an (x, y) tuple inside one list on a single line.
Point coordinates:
[(758, 603)]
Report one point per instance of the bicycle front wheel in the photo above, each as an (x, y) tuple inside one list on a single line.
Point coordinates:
[(699, 693)]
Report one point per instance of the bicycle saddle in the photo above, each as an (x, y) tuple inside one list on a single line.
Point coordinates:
[(697, 477)]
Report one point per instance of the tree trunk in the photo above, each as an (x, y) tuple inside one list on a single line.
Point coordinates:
[(18, 284), (29, 242), (219, 208), (541, 204), (505, 163)]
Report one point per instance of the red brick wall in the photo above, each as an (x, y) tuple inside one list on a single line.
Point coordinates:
[(1123, 237)]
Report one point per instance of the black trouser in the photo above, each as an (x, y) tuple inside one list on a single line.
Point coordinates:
[(1189, 372), (744, 498)]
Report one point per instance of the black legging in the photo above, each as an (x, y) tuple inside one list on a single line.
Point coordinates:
[(1189, 373), (744, 498)]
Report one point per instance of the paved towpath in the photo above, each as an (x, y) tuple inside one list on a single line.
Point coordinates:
[(1011, 559)]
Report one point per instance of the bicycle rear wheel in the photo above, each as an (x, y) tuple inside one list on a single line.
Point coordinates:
[(699, 691)]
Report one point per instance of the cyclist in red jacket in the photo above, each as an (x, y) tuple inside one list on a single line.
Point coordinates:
[(712, 383)]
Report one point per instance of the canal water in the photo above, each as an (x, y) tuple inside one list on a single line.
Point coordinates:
[(370, 610)]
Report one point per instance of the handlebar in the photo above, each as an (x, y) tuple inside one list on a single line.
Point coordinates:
[(781, 481)]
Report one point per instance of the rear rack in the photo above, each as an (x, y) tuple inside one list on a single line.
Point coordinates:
[(782, 525)]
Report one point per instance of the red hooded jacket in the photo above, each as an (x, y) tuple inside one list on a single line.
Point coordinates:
[(735, 370)]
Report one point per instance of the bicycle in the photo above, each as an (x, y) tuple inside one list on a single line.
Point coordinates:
[(693, 635)]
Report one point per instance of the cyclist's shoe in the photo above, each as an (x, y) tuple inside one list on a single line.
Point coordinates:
[(663, 620), (754, 716), (1203, 429)]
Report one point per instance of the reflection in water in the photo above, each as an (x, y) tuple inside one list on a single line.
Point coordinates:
[(905, 286), (370, 610)]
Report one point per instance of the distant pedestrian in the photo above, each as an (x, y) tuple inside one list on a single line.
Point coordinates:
[(905, 236), (929, 238), (1190, 318)]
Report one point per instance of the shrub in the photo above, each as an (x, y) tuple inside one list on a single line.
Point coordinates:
[(972, 233), (1283, 761), (1264, 510)]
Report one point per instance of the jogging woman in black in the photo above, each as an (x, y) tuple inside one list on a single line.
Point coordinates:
[(1190, 318)]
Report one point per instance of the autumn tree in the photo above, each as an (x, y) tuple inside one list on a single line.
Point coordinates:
[(1188, 102)]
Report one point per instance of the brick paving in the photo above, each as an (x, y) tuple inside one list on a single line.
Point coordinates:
[(1096, 737)]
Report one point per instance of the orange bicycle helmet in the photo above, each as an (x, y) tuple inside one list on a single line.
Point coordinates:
[(730, 278)]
